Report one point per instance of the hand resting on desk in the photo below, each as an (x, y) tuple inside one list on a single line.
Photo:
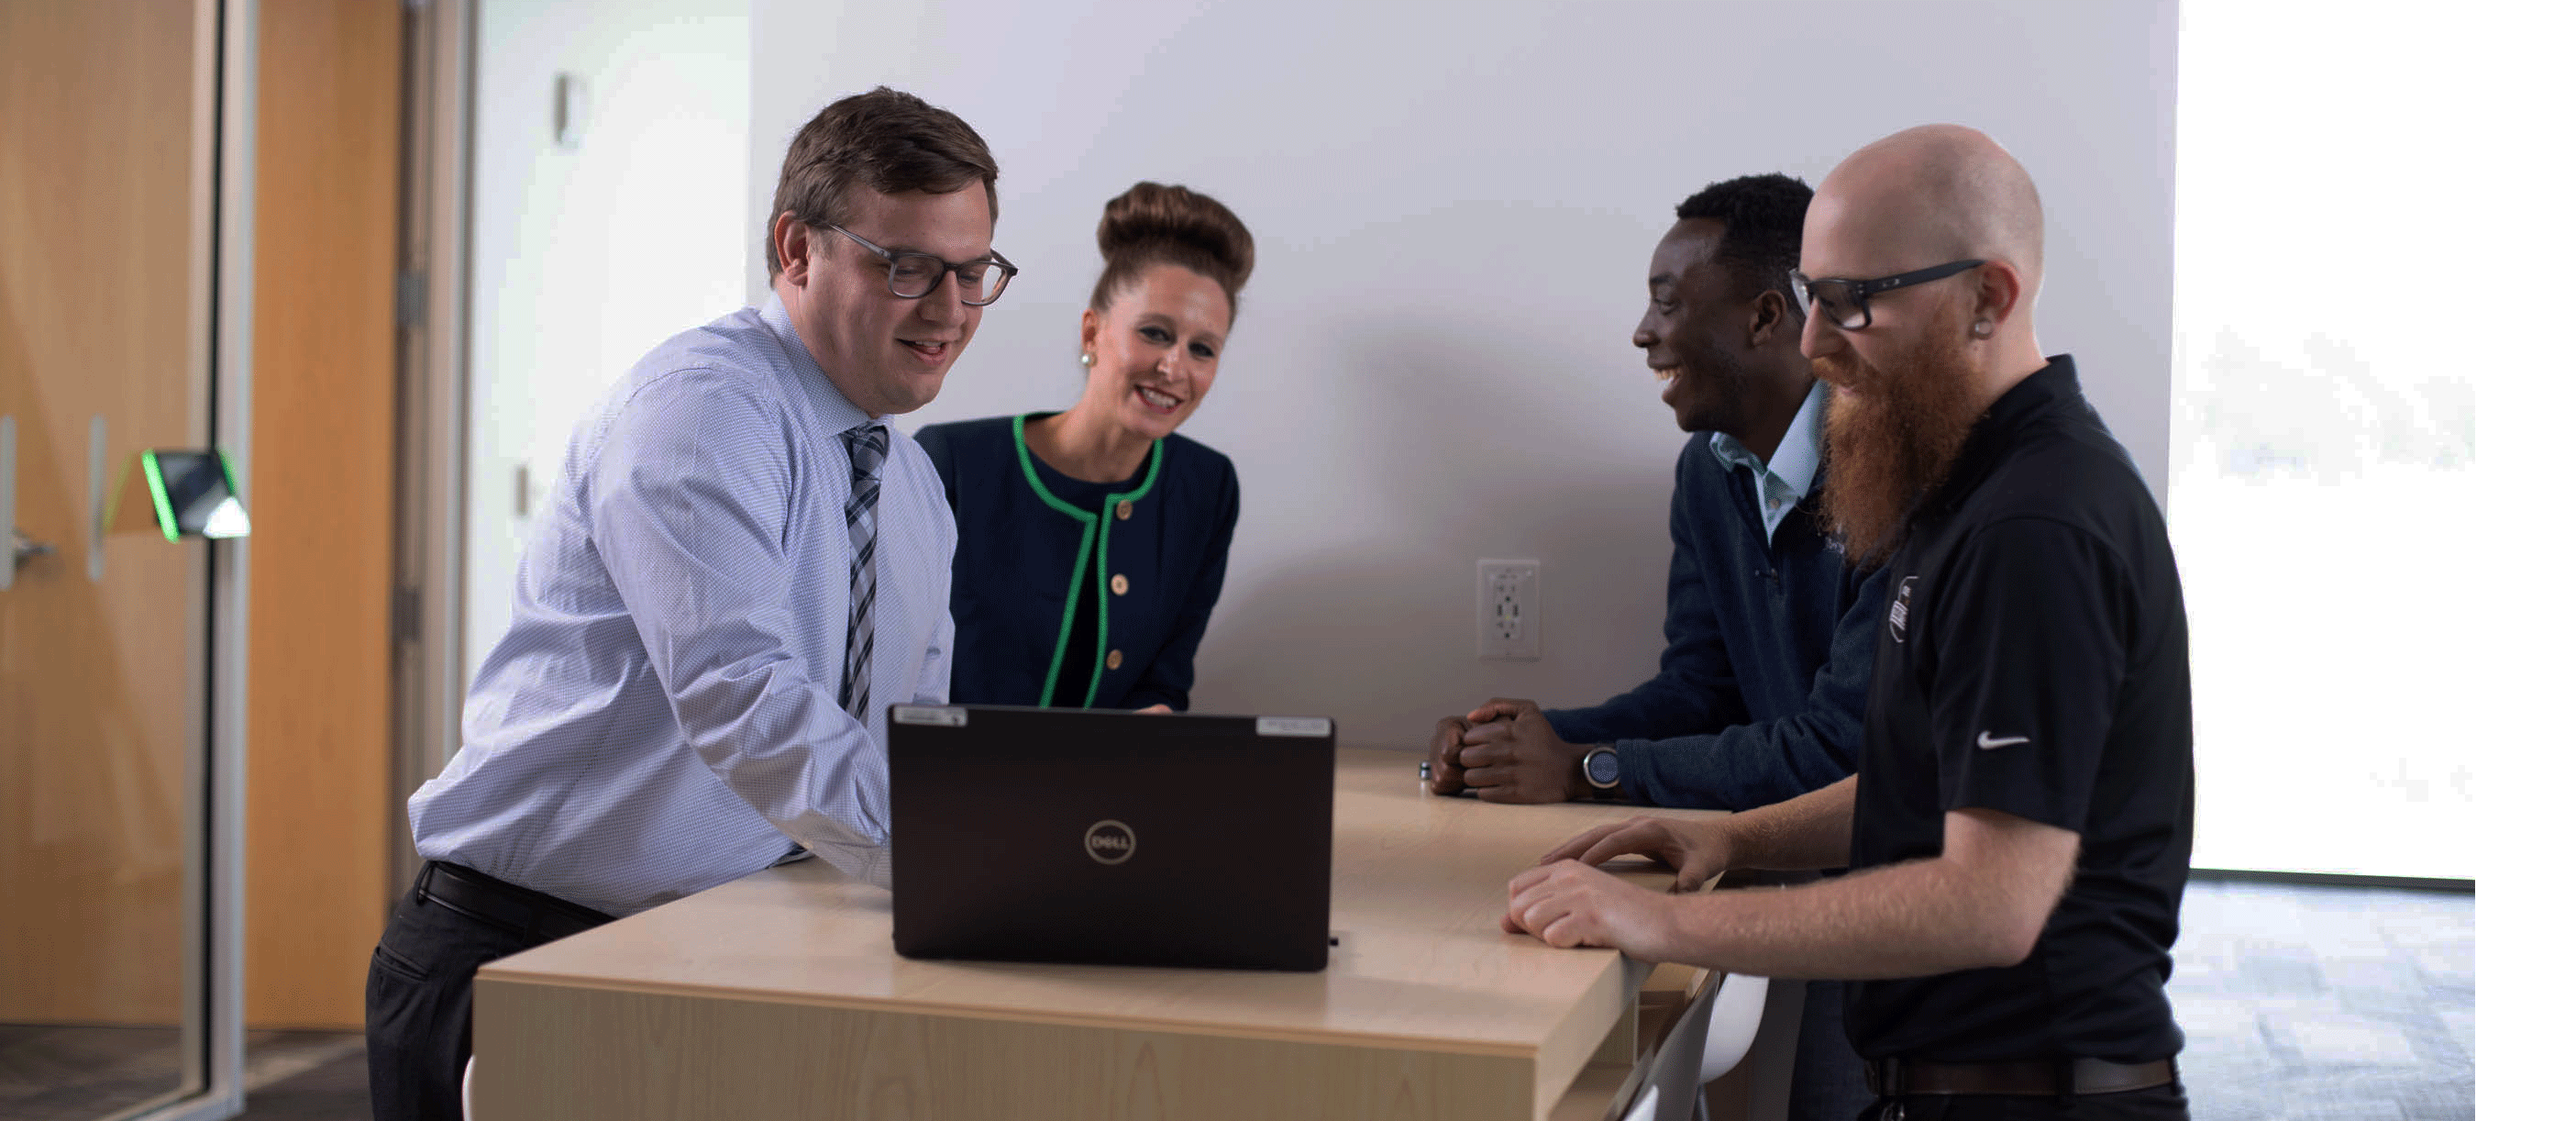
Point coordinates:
[(1568, 901), (1696, 852), (1506, 751)]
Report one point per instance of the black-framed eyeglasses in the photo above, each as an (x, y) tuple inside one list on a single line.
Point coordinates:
[(913, 275), (1845, 302)]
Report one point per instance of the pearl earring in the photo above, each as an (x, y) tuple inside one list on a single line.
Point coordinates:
[(1982, 329), (1086, 358)]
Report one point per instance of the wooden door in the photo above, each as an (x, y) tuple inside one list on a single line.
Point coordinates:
[(318, 786)]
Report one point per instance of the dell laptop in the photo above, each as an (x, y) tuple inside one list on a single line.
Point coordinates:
[(1107, 837)]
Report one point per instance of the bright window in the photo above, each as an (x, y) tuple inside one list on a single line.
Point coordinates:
[(2325, 443)]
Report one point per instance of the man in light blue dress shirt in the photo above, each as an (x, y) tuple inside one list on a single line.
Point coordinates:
[(743, 567)]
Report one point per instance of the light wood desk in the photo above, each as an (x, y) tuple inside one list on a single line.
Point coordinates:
[(780, 996)]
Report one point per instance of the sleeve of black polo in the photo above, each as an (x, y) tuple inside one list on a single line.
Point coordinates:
[(2031, 653)]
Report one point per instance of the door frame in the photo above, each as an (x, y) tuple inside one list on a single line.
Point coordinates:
[(220, 256), (429, 534), (228, 679)]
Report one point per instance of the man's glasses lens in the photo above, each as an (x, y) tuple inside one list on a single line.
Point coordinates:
[(982, 281), (913, 276), (1842, 306), (1834, 300)]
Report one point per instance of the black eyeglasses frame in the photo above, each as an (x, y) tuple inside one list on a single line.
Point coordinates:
[(1855, 293)]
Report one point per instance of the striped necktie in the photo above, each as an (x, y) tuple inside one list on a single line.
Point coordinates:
[(867, 447)]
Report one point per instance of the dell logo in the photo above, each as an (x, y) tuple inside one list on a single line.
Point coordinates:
[(1109, 842)]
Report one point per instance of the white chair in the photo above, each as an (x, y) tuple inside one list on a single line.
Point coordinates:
[(1711, 1036), (468, 1088)]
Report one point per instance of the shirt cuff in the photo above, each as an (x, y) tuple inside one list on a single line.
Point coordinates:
[(1635, 764), (868, 864)]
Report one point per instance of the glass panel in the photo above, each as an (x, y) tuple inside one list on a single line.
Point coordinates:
[(2325, 447), (102, 669)]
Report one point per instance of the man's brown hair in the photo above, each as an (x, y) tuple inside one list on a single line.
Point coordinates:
[(885, 140)]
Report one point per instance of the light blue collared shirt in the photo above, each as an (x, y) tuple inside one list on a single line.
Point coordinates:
[(662, 714), (1783, 482)]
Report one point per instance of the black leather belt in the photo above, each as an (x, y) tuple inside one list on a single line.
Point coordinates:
[(1893, 1078), (533, 915)]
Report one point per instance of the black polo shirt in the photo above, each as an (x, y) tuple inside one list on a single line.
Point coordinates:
[(2033, 662)]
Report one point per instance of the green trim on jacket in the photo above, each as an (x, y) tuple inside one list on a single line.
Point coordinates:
[(1094, 527)]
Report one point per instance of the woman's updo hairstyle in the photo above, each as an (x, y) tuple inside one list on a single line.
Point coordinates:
[(1153, 224)]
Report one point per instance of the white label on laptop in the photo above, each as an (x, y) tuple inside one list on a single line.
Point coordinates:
[(1316, 726), (925, 714)]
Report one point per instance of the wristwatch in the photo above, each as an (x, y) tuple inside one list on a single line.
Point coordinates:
[(1601, 769)]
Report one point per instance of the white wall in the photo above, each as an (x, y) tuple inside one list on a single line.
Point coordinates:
[(1454, 205), (584, 258)]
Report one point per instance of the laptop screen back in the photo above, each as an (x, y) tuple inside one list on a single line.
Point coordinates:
[(1061, 835)]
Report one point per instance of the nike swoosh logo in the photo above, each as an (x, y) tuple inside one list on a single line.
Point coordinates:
[(1988, 741)]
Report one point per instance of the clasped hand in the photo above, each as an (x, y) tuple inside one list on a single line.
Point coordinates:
[(1507, 752)]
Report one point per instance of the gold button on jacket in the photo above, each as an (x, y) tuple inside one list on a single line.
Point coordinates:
[(1115, 658), (1126, 510), (1118, 584)]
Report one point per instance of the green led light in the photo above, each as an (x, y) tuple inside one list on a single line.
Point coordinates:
[(160, 496)]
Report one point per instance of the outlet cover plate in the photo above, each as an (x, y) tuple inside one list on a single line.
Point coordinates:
[(1507, 610)]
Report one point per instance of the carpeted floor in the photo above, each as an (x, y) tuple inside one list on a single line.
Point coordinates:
[(79, 1073), (2307, 1002), (333, 1090), (82, 1073)]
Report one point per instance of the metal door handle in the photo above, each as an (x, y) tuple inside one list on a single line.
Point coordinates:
[(23, 548), (19, 547)]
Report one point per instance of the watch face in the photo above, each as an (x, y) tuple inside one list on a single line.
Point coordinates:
[(1602, 767)]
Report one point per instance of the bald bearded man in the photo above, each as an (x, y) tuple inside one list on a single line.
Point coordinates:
[(2020, 825)]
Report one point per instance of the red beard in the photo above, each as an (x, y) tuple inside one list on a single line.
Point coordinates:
[(1895, 440)]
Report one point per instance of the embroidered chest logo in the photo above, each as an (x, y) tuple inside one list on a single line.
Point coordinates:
[(1900, 605), (1109, 842)]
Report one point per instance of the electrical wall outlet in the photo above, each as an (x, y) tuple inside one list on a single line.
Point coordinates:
[(1507, 613)]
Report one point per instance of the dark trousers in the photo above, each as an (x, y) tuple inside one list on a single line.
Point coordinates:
[(2155, 1103), (420, 1006), (1827, 1082)]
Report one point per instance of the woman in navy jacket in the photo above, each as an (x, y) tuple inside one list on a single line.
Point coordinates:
[(1091, 543)]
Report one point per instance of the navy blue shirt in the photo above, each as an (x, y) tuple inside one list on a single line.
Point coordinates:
[(1767, 646), (1081, 594)]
